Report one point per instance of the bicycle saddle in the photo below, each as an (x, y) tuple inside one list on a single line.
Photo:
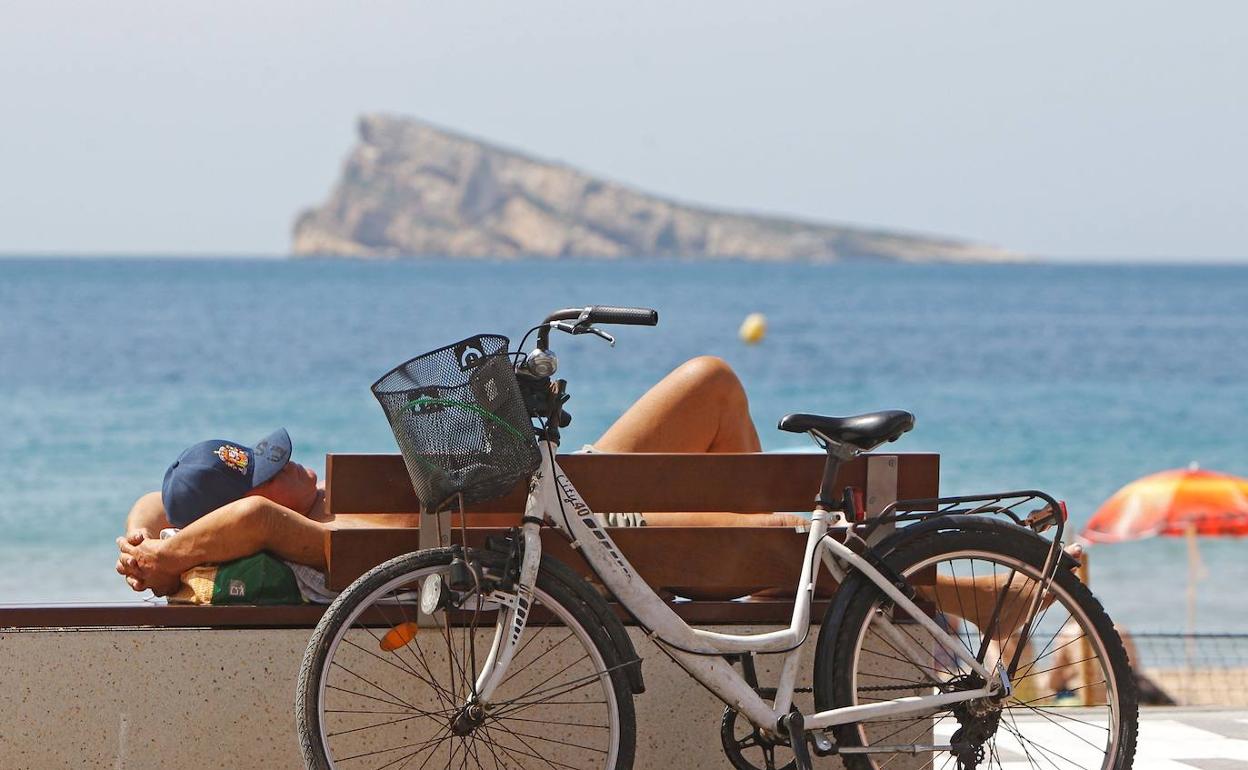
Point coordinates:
[(865, 431)]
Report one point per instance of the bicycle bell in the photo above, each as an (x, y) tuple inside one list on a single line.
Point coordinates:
[(541, 363)]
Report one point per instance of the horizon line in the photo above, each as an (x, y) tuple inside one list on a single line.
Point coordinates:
[(189, 256)]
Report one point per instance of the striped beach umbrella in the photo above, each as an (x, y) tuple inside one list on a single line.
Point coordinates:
[(1185, 502), (1182, 502)]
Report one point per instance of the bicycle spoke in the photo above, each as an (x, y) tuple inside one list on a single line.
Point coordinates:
[(933, 677), (1055, 668), (384, 751), (1053, 694), (378, 724), (389, 662), (396, 699), (534, 660), (414, 651), (434, 753), (572, 686), (406, 760), (553, 740), (929, 680), (562, 722), (1066, 729), (902, 627), (1018, 734), (1045, 752), (1055, 650), (393, 705), (534, 753), (508, 750), (366, 695)]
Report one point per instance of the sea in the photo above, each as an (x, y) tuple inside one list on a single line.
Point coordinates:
[(1075, 379)]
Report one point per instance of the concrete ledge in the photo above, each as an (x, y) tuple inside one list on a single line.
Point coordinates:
[(175, 698), (152, 615)]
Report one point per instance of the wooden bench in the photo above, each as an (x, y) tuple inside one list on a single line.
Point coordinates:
[(211, 686), (710, 565)]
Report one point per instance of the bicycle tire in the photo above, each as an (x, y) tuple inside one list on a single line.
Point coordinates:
[(845, 656), (568, 740)]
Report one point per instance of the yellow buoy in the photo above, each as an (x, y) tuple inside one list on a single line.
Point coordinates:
[(753, 328), (399, 636)]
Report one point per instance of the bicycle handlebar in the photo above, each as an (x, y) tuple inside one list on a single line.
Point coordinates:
[(542, 363), (604, 314)]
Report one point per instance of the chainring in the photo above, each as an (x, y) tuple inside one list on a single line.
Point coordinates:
[(734, 747)]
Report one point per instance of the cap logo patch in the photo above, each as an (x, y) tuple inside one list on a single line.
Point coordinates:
[(233, 457)]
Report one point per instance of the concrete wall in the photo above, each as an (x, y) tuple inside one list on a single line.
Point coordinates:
[(137, 699)]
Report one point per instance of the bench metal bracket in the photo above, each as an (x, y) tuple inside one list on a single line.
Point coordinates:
[(435, 532), (881, 492)]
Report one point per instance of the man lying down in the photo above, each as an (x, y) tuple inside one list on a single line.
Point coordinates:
[(222, 501)]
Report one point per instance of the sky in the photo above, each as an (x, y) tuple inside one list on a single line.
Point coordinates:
[(1116, 129)]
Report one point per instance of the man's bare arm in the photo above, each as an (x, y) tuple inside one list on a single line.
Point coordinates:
[(239, 529), (147, 515)]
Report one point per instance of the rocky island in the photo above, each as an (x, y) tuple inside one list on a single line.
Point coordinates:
[(412, 189)]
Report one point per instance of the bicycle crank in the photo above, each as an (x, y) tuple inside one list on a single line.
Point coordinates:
[(761, 746)]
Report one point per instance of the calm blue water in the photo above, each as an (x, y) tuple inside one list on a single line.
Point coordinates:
[(1073, 379)]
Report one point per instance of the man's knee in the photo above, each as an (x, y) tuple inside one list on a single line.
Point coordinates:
[(712, 375)]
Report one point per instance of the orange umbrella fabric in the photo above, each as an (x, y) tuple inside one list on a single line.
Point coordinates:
[(1176, 502)]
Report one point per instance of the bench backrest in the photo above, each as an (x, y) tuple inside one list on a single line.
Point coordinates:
[(700, 562)]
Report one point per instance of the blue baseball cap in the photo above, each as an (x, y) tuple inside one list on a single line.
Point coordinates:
[(213, 473)]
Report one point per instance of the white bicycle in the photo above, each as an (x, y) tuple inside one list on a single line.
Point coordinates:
[(964, 639)]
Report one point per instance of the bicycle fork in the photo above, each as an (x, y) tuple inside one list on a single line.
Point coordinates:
[(512, 621)]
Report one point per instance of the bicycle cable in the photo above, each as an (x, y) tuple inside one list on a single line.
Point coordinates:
[(525, 339)]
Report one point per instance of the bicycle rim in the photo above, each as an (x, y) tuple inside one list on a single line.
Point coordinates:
[(1064, 711), (395, 708)]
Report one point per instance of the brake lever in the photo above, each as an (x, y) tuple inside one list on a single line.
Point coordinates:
[(598, 333), (578, 328)]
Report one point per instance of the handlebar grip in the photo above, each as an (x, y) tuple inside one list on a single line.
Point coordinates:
[(632, 316), (604, 314)]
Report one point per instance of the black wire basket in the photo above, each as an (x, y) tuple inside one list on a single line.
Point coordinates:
[(460, 421)]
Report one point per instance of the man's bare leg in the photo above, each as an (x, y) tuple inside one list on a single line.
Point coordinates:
[(699, 407)]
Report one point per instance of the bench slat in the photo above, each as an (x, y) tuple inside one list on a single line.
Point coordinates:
[(742, 483), (689, 561)]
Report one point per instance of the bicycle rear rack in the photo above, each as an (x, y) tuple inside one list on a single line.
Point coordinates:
[(1050, 513)]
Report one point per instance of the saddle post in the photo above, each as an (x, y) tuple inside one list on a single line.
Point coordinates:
[(828, 499)]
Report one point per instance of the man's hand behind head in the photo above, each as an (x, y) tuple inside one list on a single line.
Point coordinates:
[(141, 564)]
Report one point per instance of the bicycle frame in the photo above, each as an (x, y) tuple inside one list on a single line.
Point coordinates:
[(553, 498)]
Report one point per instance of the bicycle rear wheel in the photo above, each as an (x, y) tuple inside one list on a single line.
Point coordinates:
[(1073, 703), (377, 691)]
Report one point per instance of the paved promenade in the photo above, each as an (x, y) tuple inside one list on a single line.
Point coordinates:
[(1205, 738), (1170, 739)]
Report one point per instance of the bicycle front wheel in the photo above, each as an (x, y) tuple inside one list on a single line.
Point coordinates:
[(1073, 700), (378, 691)]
